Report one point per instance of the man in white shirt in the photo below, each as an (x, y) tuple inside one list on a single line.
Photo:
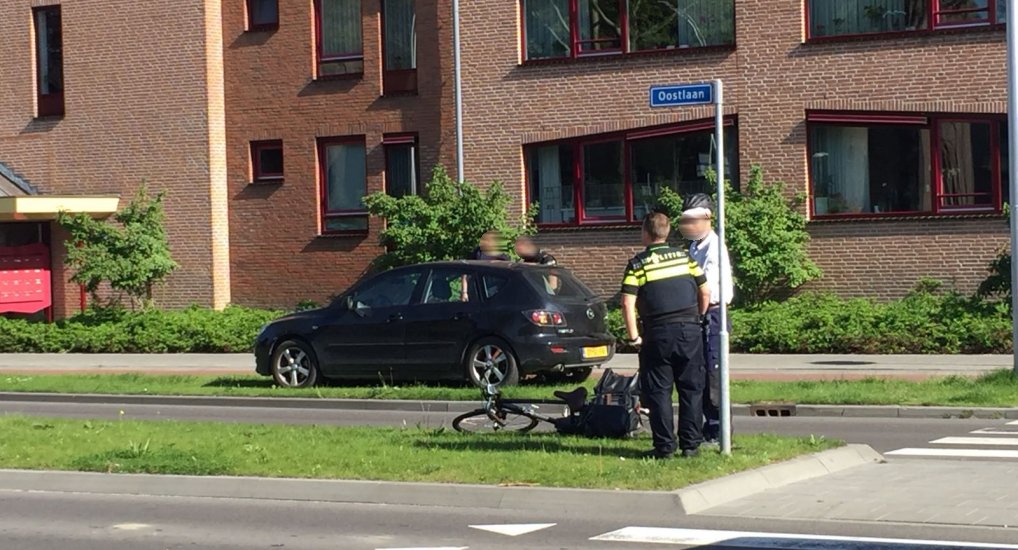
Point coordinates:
[(706, 249)]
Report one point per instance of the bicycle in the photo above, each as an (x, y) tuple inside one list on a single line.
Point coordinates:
[(519, 416)]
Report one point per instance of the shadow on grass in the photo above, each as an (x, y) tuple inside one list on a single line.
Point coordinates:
[(546, 443), (239, 383)]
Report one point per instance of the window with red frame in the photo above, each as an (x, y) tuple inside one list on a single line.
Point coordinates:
[(267, 161), (49, 61), (401, 165), (262, 15), (340, 47), (569, 28), (343, 176), (617, 178), (859, 17), (873, 165), (399, 30)]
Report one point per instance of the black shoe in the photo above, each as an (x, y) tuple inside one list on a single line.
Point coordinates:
[(656, 455), (690, 453)]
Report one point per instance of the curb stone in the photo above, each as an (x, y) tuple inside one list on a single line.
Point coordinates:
[(690, 500), (407, 405), (703, 496)]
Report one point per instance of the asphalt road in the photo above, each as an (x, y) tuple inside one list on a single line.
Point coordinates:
[(883, 434), (63, 520)]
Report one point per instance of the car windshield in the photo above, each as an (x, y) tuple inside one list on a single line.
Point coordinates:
[(557, 282)]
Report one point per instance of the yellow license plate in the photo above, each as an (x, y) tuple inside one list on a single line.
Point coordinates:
[(596, 352)]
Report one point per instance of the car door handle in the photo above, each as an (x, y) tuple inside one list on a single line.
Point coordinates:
[(460, 316), (395, 317)]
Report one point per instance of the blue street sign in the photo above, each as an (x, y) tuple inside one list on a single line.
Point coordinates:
[(681, 94)]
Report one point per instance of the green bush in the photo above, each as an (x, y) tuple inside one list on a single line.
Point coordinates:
[(924, 322), (194, 330), (446, 223), (766, 237)]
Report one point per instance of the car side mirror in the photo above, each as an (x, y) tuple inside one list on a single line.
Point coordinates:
[(348, 303)]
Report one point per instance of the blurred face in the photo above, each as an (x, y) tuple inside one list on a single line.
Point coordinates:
[(525, 248), (694, 229), (489, 242)]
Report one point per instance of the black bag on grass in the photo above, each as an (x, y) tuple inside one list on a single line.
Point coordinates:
[(613, 411)]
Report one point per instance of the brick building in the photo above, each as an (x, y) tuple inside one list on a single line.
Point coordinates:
[(266, 121)]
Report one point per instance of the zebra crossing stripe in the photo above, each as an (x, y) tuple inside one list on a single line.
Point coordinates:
[(996, 441), (955, 453), (746, 539)]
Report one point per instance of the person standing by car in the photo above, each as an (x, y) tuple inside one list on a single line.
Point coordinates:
[(489, 248), (706, 249), (529, 253), (667, 291)]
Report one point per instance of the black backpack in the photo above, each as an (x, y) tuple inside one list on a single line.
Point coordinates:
[(613, 412)]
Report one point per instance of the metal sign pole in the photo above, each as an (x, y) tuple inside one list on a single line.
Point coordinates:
[(1012, 146), (459, 89), (719, 138)]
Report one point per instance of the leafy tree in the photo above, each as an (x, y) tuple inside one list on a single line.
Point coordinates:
[(766, 237), (445, 223), (131, 256)]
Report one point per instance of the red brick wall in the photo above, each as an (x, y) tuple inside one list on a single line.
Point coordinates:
[(276, 254), (136, 110), (771, 79)]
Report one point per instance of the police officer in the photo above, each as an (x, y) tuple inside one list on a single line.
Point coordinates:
[(668, 291), (706, 249)]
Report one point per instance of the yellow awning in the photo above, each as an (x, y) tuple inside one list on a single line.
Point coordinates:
[(46, 207)]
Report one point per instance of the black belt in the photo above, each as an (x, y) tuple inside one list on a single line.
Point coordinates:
[(671, 320)]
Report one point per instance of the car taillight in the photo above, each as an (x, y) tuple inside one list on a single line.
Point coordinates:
[(544, 318)]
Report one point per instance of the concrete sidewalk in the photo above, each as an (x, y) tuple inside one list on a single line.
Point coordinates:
[(744, 367)]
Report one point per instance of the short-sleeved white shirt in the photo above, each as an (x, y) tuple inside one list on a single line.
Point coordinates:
[(706, 252)]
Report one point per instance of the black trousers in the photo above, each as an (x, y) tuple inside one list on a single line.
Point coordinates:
[(672, 356)]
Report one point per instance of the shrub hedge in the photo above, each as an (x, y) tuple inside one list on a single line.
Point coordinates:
[(924, 322), (194, 330)]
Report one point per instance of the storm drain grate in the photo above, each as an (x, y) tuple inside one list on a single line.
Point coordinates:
[(772, 410)]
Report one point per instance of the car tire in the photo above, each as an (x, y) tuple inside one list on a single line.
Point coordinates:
[(570, 376), (491, 352), (294, 365)]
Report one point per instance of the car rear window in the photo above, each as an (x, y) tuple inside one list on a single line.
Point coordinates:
[(557, 282)]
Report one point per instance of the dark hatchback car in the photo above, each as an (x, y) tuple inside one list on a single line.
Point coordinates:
[(444, 321)]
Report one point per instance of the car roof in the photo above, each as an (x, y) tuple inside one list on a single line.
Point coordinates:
[(495, 264)]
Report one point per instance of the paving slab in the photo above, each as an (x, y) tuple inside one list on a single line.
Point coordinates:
[(909, 491)]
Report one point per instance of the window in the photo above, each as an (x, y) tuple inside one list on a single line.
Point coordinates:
[(447, 286), (262, 15), (394, 289), (266, 161), (340, 51), (568, 28), (855, 17), (876, 165), (49, 61), (620, 176), (680, 24), (344, 184), (399, 27), (401, 165), (557, 282), (493, 284)]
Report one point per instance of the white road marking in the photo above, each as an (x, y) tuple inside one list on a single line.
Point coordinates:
[(1013, 423), (955, 453), (998, 441), (429, 548), (130, 526), (991, 431), (513, 529), (745, 539)]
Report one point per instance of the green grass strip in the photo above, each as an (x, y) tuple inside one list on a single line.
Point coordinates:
[(998, 389), (390, 454)]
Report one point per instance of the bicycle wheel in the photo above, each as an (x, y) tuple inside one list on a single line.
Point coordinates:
[(477, 421)]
